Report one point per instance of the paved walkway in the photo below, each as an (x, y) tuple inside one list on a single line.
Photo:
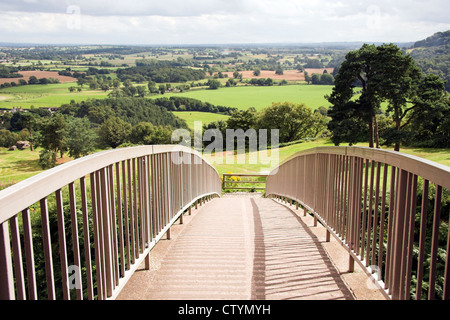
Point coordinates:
[(240, 248)]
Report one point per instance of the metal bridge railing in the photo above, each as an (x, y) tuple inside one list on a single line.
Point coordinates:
[(386, 209), (80, 230)]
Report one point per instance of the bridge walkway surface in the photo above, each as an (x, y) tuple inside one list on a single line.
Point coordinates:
[(246, 247)]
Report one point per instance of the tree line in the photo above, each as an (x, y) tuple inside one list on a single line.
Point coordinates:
[(160, 72)]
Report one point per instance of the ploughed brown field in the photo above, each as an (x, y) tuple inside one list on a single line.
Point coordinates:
[(289, 75), (39, 75)]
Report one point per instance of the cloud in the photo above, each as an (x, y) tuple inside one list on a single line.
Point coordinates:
[(172, 8), (220, 21)]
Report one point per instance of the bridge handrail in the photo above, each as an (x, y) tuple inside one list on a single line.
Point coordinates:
[(129, 197), (370, 199)]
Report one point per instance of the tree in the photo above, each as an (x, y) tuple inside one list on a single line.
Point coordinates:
[(242, 119), (257, 72), (80, 137), (53, 135), (33, 80), (429, 115), (7, 138), (114, 132), (142, 133), (293, 120), (231, 82), (29, 120), (395, 81), (141, 91), (214, 84), (307, 78), (326, 79), (279, 71), (356, 70)]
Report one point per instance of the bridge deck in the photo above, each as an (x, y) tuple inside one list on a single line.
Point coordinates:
[(246, 247)]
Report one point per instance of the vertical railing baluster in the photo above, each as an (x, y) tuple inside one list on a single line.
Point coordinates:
[(97, 240), (131, 213), (6, 267), (398, 234), (410, 243), (47, 246), (17, 259), (390, 236), (107, 234), (75, 242), (382, 220), (135, 209), (375, 216), (423, 233), (29, 254), (435, 243), (364, 213), (126, 223), (87, 242), (369, 212), (62, 245), (120, 220), (446, 295), (112, 214)]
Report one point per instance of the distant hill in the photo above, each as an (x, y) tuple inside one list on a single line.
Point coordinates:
[(438, 39), (432, 55)]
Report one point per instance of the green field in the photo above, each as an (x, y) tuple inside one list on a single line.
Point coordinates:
[(260, 97), (204, 117), (49, 95), (243, 97), (18, 165)]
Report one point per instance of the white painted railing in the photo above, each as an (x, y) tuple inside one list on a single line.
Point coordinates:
[(377, 204), (80, 230)]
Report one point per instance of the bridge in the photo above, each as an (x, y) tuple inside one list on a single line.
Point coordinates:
[(151, 222)]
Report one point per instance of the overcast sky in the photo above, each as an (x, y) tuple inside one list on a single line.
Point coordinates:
[(145, 22)]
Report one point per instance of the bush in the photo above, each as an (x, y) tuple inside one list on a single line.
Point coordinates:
[(7, 138), (47, 159)]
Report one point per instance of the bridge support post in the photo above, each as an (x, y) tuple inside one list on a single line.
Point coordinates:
[(147, 262), (168, 234), (327, 239), (351, 264)]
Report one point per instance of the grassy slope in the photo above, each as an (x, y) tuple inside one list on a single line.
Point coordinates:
[(45, 95), (204, 117)]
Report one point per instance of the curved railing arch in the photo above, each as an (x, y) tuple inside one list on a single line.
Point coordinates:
[(376, 203), (102, 213)]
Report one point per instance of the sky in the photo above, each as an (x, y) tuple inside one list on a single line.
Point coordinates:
[(184, 22)]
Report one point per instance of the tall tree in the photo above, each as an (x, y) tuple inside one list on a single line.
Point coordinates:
[(383, 73), (80, 137), (396, 80), (53, 135), (114, 131)]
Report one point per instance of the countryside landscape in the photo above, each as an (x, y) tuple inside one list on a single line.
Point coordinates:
[(93, 82), (187, 84)]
